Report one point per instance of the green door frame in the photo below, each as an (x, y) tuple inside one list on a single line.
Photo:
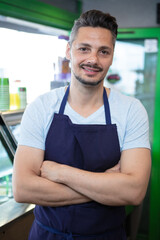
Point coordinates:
[(39, 12), (154, 221)]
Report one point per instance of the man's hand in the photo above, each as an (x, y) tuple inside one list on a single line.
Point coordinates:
[(115, 169), (51, 170), (27, 179), (131, 175)]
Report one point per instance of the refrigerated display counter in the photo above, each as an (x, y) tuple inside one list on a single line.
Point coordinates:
[(15, 217), (9, 133)]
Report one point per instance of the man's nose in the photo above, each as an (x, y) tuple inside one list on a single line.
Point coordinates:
[(92, 58)]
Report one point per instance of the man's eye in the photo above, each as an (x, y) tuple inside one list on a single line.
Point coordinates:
[(83, 49), (104, 52)]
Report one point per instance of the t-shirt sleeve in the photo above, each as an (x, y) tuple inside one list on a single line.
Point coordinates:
[(32, 126), (137, 127)]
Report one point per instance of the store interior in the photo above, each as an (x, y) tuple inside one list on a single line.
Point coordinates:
[(32, 48)]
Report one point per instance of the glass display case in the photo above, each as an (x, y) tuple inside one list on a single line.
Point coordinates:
[(9, 133), (135, 71)]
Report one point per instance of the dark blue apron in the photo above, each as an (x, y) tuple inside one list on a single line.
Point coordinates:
[(92, 148)]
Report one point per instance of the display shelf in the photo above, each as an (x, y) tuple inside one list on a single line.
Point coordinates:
[(9, 125)]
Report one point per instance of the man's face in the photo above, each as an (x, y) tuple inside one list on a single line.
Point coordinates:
[(91, 55)]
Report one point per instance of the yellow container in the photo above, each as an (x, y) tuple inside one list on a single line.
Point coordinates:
[(14, 101)]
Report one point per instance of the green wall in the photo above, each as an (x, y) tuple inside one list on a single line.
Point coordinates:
[(39, 12)]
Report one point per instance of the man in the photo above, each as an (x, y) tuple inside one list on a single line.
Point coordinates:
[(84, 151)]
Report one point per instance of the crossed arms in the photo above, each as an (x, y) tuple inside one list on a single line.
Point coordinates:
[(51, 184)]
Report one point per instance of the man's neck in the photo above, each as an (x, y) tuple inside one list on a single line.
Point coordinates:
[(85, 100)]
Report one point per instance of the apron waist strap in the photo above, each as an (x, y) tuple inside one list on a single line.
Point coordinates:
[(67, 236)]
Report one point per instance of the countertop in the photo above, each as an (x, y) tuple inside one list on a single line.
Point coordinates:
[(11, 210)]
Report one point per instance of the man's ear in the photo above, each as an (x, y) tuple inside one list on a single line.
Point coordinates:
[(68, 54)]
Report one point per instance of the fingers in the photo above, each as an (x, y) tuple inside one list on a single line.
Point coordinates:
[(115, 169)]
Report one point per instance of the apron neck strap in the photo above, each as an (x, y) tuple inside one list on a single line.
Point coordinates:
[(106, 107), (64, 101), (105, 100)]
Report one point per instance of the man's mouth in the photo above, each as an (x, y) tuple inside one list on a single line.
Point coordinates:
[(91, 68)]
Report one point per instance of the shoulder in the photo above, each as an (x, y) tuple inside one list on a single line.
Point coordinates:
[(47, 102), (37, 118), (41, 110), (50, 97), (124, 104), (118, 97), (131, 119)]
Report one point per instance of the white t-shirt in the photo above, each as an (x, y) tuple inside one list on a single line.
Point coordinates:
[(126, 112)]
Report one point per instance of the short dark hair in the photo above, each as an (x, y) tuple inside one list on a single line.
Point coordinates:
[(95, 18)]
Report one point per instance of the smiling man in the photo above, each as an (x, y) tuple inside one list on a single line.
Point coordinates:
[(84, 150), (93, 54)]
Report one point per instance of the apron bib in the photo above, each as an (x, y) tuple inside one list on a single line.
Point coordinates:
[(92, 148)]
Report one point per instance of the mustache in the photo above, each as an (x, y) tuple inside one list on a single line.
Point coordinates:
[(94, 66)]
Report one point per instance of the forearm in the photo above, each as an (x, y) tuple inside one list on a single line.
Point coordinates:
[(128, 186), (38, 190), (106, 188), (30, 187)]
